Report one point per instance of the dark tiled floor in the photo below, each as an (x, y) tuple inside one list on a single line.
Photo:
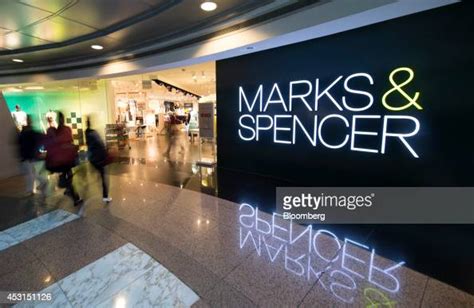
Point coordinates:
[(200, 257)]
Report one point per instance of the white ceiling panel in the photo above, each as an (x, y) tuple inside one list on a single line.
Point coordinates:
[(14, 15), (57, 29)]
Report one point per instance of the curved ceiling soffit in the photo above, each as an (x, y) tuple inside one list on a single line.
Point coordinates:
[(126, 55), (154, 11)]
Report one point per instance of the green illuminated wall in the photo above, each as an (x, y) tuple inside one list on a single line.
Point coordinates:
[(70, 101)]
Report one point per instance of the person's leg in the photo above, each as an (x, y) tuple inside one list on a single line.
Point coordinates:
[(63, 183), (183, 142), (105, 189), (70, 187), (30, 179), (38, 170), (174, 141), (168, 148), (170, 143)]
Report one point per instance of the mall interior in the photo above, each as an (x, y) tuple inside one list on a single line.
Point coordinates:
[(203, 110)]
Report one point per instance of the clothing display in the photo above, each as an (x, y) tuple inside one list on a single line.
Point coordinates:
[(19, 117), (145, 112)]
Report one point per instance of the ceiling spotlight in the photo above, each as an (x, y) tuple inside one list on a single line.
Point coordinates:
[(208, 6), (18, 60), (14, 90), (97, 47)]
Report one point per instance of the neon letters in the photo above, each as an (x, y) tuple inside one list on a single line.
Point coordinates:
[(267, 112), (310, 253)]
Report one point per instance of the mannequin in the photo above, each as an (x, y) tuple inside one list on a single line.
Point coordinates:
[(19, 117), (51, 119)]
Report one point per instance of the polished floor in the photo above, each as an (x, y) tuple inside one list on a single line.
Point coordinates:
[(171, 239), (126, 276)]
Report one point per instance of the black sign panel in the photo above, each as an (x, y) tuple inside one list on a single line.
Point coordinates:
[(384, 105)]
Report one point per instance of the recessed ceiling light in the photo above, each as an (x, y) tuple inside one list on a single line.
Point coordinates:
[(14, 90), (18, 60), (34, 88), (208, 6), (97, 47)]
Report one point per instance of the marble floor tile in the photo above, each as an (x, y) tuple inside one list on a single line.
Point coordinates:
[(58, 299), (190, 271), (157, 287), (126, 277), (195, 274), (65, 260), (200, 304), (103, 278), (161, 250), (6, 241), (39, 225), (438, 294)]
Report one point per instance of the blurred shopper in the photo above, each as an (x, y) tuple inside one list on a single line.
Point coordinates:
[(62, 156), (30, 142), (98, 157), (175, 134), (186, 125)]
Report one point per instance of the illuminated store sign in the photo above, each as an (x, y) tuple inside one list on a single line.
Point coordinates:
[(311, 253), (265, 110)]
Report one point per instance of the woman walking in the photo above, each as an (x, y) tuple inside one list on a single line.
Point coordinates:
[(62, 156)]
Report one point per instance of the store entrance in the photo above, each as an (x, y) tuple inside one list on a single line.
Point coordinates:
[(159, 126), (159, 116)]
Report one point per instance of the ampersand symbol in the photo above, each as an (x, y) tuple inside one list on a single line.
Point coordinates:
[(398, 87), (381, 301)]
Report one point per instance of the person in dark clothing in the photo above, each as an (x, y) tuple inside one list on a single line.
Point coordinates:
[(175, 135), (29, 142), (61, 156), (97, 154)]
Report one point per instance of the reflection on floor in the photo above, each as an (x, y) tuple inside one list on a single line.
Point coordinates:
[(126, 277), (153, 149), (413, 243), (227, 254)]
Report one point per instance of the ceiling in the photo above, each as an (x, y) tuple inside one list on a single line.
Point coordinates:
[(59, 33), (199, 79)]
